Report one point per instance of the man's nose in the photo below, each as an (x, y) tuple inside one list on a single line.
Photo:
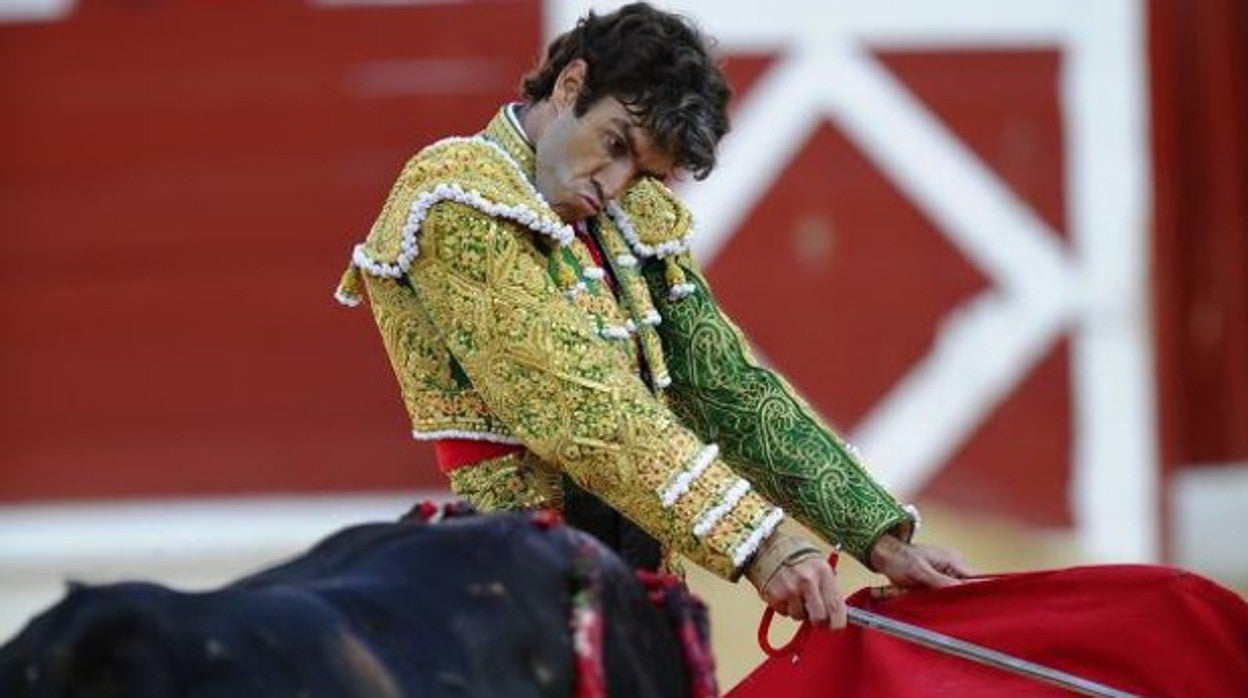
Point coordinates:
[(615, 179)]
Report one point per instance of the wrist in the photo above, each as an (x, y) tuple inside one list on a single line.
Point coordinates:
[(776, 552), (883, 550)]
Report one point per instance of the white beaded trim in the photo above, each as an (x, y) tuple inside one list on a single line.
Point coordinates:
[(749, 545), (679, 291), (614, 332), (913, 511), (361, 259), (515, 165), (409, 249), (700, 463), (626, 260), (652, 318), (348, 299), (575, 290), (594, 273), (730, 499), (464, 434), (641, 249), (662, 381)]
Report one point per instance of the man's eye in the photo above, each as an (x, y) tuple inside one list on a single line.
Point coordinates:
[(616, 146)]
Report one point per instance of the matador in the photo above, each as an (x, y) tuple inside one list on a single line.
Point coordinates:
[(554, 338)]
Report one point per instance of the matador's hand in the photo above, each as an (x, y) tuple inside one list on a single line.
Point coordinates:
[(908, 565), (807, 591), (796, 581)]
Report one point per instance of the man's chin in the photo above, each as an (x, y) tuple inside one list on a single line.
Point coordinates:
[(571, 217)]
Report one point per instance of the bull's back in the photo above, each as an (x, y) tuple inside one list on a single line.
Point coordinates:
[(472, 606)]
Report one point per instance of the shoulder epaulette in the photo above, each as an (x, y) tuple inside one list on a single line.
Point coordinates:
[(474, 172), (657, 225), (654, 221)]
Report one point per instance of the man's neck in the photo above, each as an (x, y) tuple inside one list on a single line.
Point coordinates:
[(534, 117)]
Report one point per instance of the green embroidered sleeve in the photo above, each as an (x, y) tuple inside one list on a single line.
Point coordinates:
[(764, 429)]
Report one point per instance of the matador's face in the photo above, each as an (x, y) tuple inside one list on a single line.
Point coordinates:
[(584, 162)]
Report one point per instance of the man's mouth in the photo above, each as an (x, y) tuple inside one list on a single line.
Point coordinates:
[(593, 203)]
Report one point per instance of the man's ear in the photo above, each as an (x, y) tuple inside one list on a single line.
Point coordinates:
[(569, 83)]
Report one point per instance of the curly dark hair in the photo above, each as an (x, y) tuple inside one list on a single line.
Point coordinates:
[(659, 66)]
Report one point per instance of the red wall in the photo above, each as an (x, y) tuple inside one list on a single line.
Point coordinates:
[(180, 185), (1199, 64), (844, 283)]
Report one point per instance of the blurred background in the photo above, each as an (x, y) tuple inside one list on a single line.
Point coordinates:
[(1003, 246)]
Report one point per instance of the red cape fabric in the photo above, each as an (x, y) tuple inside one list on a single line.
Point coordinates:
[(1148, 630)]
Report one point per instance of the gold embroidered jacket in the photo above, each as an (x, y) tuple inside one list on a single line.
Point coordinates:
[(500, 327)]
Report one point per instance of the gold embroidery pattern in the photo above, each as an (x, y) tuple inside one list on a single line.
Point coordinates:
[(472, 167), (565, 392), (598, 302), (513, 481), (433, 397), (483, 339), (636, 295), (768, 433), (501, 131), (662, 223)]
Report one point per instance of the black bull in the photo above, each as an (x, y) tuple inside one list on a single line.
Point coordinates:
[(469, 606)]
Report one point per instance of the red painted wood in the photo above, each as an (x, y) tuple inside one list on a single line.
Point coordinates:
[(180, 184), (1018, 465), (1199, 107), (844, 283), (839, 279), (1010, 119), (180, 188)]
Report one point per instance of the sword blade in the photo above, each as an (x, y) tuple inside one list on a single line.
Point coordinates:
[(983, 655)]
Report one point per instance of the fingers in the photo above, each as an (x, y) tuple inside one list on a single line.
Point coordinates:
[(887, 592), (925, 566), (783, 595), (795, 607), (808, 591), (831, 593), (943, 567), (954, 565), (788, 594), (928, 576)]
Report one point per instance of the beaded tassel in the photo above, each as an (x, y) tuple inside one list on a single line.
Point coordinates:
[(565, 272), (348, 292), (677, 285), (672, 272)]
